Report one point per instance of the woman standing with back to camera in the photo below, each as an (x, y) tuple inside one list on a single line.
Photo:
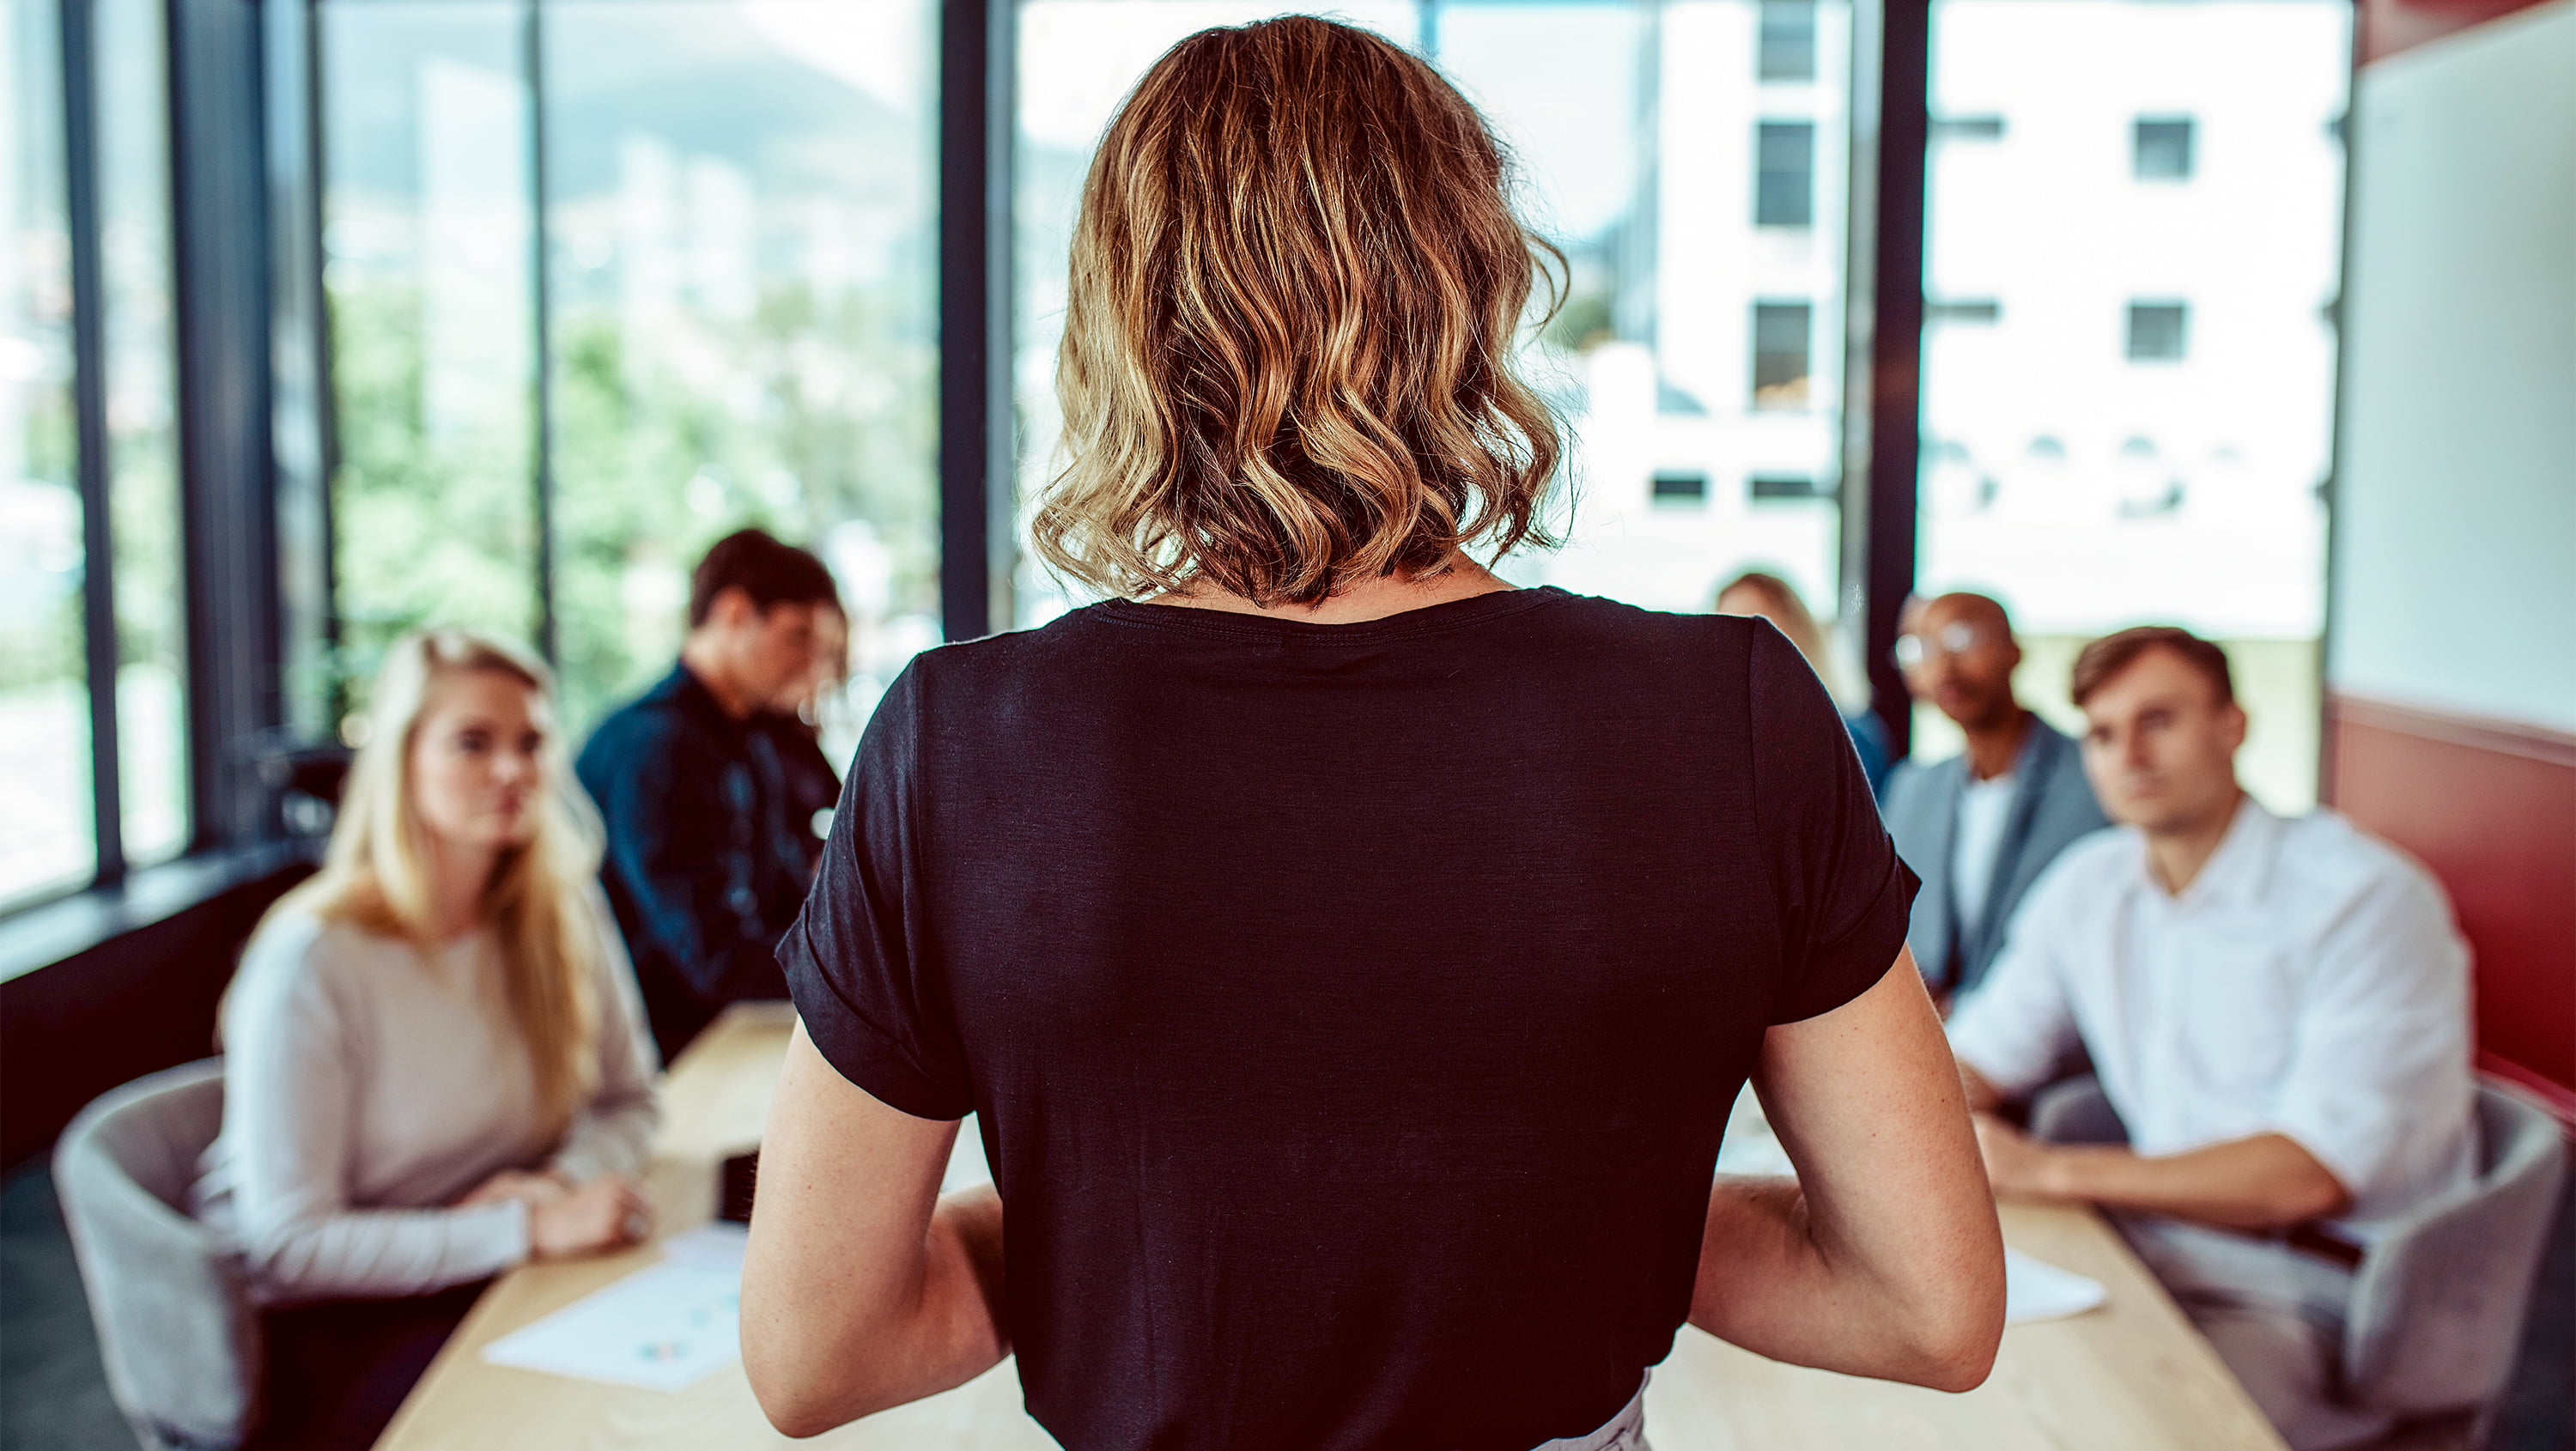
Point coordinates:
[(1352, 958)]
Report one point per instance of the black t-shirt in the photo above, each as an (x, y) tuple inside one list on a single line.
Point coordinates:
[(1353, 1010)]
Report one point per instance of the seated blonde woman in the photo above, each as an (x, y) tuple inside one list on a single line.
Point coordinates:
[(435, 1063)]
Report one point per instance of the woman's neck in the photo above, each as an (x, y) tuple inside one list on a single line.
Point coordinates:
[(1373, 599), (459, 876)]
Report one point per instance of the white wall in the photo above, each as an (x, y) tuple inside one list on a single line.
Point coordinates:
[(2455, 529)]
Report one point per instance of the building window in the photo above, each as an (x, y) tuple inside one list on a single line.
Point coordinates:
[(1783, 486), (2156, 331), (1784, 174), (1983, 310), (1968, 128), (1680, 487), (1780, 362), (1788, 41), (2161, 149)]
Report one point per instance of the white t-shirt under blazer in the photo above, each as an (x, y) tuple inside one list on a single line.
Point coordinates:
[(2309, 982)]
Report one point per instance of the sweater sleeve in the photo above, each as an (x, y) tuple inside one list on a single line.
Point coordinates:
[(613, 1134), (289, 1086)]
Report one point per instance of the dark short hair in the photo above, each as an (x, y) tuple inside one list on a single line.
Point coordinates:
[(2111, 654), (771, 573)]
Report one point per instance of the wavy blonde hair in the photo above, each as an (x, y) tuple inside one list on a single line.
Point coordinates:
[(375, 876), (1287, 364)]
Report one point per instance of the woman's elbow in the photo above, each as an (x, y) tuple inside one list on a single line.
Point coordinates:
[(794, 1416), (796, 1402), (804, 1394), (1960, 1361), (1958, 1330)]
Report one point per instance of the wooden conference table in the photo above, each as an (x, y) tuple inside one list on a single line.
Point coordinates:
[(2133, 1374)]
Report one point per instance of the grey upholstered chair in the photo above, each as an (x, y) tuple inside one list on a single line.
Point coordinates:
[(178, 1334), (2438, 1303)]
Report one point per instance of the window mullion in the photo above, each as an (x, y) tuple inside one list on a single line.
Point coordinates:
[(89, 411)]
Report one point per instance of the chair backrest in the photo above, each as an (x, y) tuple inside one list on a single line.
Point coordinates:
[(2438, 1304), (175, 1328)]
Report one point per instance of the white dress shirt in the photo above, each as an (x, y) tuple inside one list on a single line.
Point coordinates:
[(2308, 983), (1984, 807), (368, 1084)]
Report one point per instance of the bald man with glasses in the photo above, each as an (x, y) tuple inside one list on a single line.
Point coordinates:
[(1980, 827)]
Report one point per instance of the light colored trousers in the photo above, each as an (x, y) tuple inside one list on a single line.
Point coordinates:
[(2274, 1314), (1625, 1432)]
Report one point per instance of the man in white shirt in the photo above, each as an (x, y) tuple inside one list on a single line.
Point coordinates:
[(2278, 1010)]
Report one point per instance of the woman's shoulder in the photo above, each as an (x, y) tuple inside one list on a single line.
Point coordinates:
[(305, 948)]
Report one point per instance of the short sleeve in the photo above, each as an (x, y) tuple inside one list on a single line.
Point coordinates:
[(1840, 894), (857, 960)]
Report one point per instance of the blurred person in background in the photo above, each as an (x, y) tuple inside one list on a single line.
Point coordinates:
[(794, 723), (708, 854), (1351, 960), (1980, 827), (1760, 592), (435, 1063), (2279, 1012)]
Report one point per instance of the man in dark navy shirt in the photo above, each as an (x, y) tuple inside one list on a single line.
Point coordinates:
[(708, 855)]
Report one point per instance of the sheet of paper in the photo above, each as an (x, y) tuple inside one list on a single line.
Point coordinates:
[(714, 1245), (661, 1329), (2038, 1290)]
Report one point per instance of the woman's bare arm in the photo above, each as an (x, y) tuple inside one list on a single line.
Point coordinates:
[(1882, 1258), (862, 1287)]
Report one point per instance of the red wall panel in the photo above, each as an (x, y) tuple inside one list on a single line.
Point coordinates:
[(2390, 26), (2491, 809)]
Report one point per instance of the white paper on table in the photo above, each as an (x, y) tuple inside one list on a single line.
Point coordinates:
[(662, 1329), (715, 1245), (2038, 1290)]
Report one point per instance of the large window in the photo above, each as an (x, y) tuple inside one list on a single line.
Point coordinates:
[(732, 322), (743, 315), (2136, 427), (1630, 125), (44, 708), (429, 262), (89, 501), (566, 289), (142, 412)]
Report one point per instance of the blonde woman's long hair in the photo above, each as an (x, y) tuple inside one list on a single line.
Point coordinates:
[(375, 876), (1289, 344)]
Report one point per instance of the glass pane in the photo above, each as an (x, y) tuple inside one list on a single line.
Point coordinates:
[(428, 268), (2128, 365), (1659, 140), (44, 704), (142, 411), (1654, 142), (742, 216)]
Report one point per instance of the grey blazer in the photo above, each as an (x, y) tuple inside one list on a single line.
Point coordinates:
[(2052, 805)]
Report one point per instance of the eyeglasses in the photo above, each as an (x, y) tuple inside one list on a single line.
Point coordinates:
[(1913, 649)]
